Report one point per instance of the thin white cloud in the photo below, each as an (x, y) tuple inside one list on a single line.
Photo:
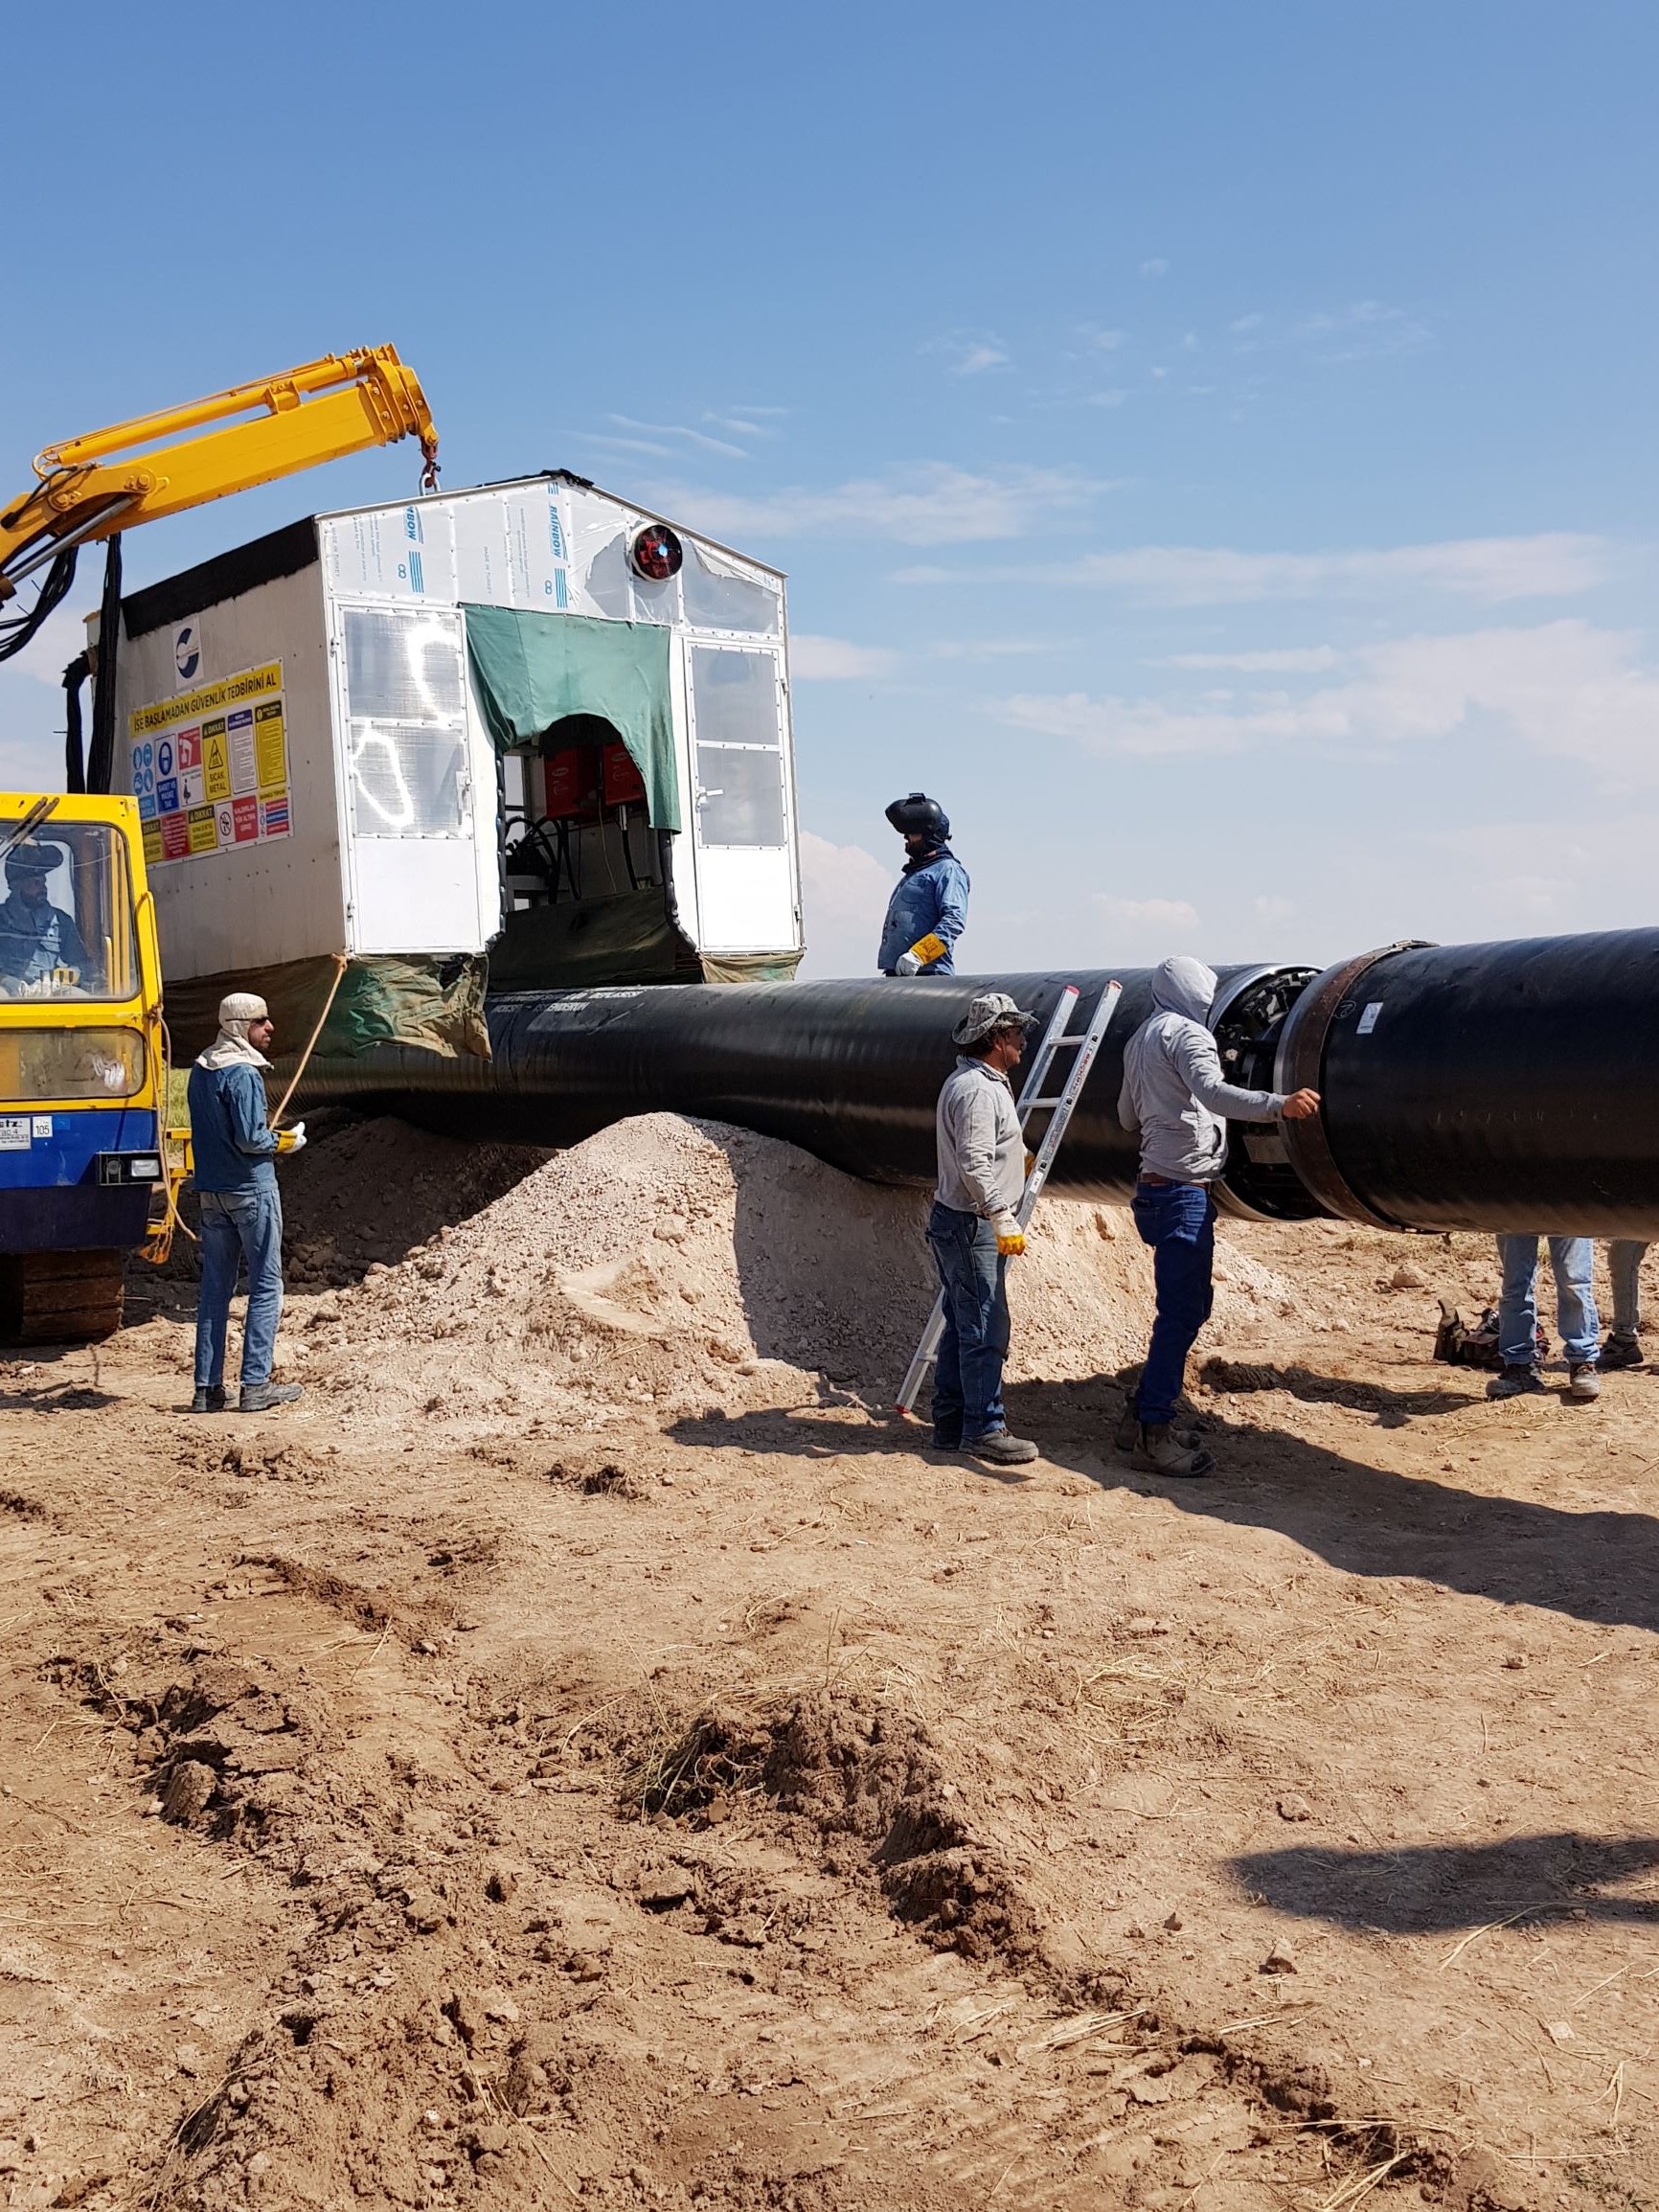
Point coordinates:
[(1113, 396), (990, 648), (1174, 915), (971, 353), (1549, 565), (844, 895), (683, 432), (1157, 267), (1358, 331), (928, 504), (748, 421), (835, 659), (1105, 341), (1562, 689), (1285, 660)]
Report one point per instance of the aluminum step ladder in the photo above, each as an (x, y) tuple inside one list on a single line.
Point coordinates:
[(1033, 1098)]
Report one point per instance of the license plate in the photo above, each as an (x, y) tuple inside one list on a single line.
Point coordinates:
[(13, 1132)]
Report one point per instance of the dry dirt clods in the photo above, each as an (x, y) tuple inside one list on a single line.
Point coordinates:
[(585, 1753)]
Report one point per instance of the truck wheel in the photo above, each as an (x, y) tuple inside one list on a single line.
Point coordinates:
[(60, 1297)]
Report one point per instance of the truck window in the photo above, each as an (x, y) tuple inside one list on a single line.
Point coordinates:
[(66, 913)]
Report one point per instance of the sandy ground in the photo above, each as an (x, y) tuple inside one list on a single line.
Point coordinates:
[(583, 1753)]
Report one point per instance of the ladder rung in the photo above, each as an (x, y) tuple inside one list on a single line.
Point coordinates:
[(1031, 1104)]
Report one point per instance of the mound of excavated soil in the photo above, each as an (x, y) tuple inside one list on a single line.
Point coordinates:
[(667, 1263)]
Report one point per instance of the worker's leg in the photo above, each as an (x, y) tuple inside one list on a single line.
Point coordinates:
[(1178, 1221), (976, 1313), (1625, 1257), (941, 1238), (221, 1253), (1517, 1307), (1573, 1260), (260, 1223)]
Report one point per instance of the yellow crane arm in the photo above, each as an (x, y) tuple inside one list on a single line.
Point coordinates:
[(344, 404)]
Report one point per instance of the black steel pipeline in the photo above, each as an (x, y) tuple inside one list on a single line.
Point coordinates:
[(1509, 1086), (1475, 1087), (849, 1071)]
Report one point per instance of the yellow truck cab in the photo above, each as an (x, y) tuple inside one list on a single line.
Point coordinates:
[(81, 1062)]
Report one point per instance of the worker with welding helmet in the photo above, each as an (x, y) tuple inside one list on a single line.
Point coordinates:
[(38, 940), (928, 909)]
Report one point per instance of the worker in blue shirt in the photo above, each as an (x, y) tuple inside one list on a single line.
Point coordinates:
[(232, 1146), (928, 909)]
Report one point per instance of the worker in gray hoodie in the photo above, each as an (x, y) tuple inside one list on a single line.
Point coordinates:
[(1176, 1096)]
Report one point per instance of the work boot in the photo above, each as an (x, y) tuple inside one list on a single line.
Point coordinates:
[(1161, 1450), (1582, 1381), (1127, 1436), (1622, 1349), (261, 1397), (944, 1440), (1001, 1449), (1518, 1382), (210, 1398)]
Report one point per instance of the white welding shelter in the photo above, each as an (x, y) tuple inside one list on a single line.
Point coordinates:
[(527, 721)]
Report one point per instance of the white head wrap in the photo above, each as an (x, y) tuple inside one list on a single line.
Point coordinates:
[(230, 1047)]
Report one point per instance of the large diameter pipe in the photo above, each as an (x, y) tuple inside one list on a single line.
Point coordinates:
[(850, 1071), (1509, 1086)]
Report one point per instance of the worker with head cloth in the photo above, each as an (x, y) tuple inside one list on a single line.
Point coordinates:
[(232, 1146), (928, 909), (37, 940), (1175, 1098), (973, 1230)]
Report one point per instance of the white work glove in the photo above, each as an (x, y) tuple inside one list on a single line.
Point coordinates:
[(1009, 1236), (292, 1140), (921, 954)]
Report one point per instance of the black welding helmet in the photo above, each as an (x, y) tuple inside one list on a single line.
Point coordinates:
[(916, 815)]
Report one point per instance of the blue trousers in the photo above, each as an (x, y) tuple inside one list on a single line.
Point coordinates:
[(967, 1372), (238, 1225), (1573, 1258), (1178, 1220), (1625, 1257)]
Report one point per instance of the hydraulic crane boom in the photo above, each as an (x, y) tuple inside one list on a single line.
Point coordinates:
[(92, 487)]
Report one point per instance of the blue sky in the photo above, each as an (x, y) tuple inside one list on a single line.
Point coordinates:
[(1212, 446)]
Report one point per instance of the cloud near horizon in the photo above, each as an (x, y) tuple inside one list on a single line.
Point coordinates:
[(929, 502), (1564, 689), (1550, 565)]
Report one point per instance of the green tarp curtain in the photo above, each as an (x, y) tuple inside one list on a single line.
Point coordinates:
[(531, 669)]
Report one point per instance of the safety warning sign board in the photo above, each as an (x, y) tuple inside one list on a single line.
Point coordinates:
[(210, 768)]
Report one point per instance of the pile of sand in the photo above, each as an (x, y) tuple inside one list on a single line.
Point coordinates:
[(668, 1265)]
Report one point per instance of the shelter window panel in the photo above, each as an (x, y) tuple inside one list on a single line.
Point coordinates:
[(406, 720), (737, 721)]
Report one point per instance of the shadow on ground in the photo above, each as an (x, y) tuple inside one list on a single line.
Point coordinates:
[(1426, 1888), (1361, 1520)]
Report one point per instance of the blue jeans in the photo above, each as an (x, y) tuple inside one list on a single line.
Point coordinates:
[(1625, 1256), (1571, 1258), (238, 1225), (1178, 1220), (967, 1372)]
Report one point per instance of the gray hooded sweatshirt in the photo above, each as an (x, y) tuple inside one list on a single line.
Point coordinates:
[(1174, 1093)]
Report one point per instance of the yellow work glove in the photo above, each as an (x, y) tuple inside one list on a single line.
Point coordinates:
[(923, 954), (291, 1140), (1009, 1236)]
